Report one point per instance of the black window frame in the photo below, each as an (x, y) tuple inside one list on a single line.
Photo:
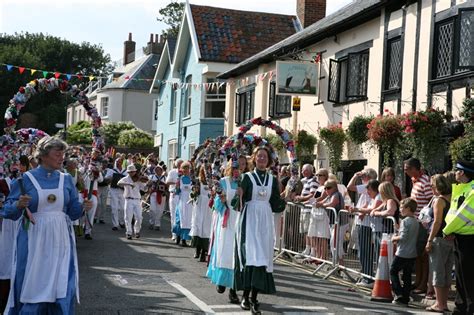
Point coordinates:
[(275, 102), (245, 95), (390, 62), (457, 40), (340, 71)]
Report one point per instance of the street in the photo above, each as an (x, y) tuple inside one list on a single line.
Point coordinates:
[(153, 275)]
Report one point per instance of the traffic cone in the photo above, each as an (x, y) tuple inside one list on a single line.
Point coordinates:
[(382, 291)]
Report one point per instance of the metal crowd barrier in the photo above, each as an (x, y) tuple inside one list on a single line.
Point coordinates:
[(342, 241)]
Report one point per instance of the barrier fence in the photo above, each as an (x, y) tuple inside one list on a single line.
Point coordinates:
[(339, 241)]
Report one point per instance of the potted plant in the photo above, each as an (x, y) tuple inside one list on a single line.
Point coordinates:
[(334, 138), (305, 146), (357, 129), (385, 132)]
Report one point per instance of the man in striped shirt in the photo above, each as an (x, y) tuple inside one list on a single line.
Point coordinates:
[(422, 193)]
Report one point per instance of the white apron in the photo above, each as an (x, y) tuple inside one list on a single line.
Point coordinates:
[(49, 249), (202, 215), (226, 236), (185, 208), (259, 229)]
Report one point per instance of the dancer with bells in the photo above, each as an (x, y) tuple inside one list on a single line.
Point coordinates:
[(45, 272), (260, 197)]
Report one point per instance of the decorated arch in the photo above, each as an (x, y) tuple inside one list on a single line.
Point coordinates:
[(15, 142)]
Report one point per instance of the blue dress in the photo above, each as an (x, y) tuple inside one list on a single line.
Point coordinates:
[(71, 210), (184, 209)]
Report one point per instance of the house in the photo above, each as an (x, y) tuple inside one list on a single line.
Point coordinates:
[(373, 55), (210, 41), (125, 96)]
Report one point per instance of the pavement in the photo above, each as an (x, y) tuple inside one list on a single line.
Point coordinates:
[(153, 275)]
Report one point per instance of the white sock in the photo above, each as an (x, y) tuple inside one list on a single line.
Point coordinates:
[(313, 252), (307, 250)]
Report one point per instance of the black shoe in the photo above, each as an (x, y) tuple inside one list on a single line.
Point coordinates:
[(203, 256), (184, 244), (177, 240), (95, 221), (255, 308), (122, 226), (220, 289), (245, 304), (233, 298), (114, 228), (88, 237), (137, 235), (101, 222), (129, 237), (196, 254)]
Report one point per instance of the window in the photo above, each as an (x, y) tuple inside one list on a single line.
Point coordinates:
[(172, 152), (348, 78), (174, 96), (68, 121), (279, 106), (215, 99), (393, 66), (454, 45), (155, 109), (192, 148), (245, 99), (188, 98), (104, 105)]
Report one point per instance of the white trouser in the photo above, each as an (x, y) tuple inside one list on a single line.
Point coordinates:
[(173, 203), (117, 204), (133, 208), (102, 202), (156, 210), (89, 221)]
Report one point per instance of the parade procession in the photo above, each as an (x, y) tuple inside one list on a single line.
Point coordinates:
[(276, 157)]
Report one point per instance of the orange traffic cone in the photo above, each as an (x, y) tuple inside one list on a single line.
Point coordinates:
[(382, 290)]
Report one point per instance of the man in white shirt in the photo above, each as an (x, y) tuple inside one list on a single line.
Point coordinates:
[(133, 208), (171, 180), (117, 203), (157, 197)]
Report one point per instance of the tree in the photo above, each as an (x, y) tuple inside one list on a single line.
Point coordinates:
[(135, 138), (172, 15), (79, 133), (45, 52), (113, 130)]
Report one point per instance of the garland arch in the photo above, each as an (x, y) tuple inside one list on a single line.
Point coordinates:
[(12, 140)]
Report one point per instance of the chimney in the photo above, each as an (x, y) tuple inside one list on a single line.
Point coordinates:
[(310, 11), (128, 50), (155, 46)]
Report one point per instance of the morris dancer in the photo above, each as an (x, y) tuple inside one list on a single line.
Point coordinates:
[(45, 273), (260, 195), (171, 181), (157, 197), (117, 201), (91, 180)]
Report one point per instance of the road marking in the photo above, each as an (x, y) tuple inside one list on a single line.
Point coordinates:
[(225, 306), (119, 279), (355, 309), (203, 306), (312, 308)]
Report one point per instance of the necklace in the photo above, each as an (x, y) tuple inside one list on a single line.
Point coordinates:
[(262, 192)]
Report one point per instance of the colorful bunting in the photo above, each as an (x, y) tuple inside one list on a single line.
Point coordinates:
[(57, 75), (21, 69), (33, 71), (68, 76), (45, 74), (9, 67)]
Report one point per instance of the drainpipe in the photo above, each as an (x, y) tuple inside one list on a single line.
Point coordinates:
[(180, 120)]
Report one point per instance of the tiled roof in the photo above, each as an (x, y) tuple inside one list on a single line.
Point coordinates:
[(347, 17), (232, 36), (142, 68)]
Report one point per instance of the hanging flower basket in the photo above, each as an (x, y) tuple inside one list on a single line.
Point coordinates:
[(334, 138), (357, 129), (386, 133)]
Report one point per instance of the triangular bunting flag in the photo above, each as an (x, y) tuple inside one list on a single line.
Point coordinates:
[(68, 76), (79, 76), (21, 69), (33, 71), (91, 78), (127, 77), (45, 74), (57, 75), (9, 67)]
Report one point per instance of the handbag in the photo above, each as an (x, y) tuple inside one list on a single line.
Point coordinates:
[(426, 214)]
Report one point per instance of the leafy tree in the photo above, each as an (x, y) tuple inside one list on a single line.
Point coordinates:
[(172, 15), (113, 130), (79, 133), (135, 138), (45, 52)]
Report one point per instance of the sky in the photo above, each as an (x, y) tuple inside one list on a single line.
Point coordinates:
[(108, 22)]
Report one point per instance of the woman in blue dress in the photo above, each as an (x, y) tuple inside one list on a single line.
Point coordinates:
[(44, 270), (184, 208)]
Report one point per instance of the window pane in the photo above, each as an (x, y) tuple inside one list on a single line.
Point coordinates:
[(392, 81), (271, 99), (444, 49), (357, 72), (283, 105), (214, 109), (466, 39), (333, 91)]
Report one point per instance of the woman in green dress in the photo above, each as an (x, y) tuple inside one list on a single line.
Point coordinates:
[(260, 198)]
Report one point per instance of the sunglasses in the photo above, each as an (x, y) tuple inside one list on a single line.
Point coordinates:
[(319, 175), (327, 188)]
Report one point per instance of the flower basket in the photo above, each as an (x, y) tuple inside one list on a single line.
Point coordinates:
[(386, 132), (357, 129), (423, 133), (334, 138)]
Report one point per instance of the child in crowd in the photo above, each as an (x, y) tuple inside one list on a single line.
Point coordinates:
[(405, 255)]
